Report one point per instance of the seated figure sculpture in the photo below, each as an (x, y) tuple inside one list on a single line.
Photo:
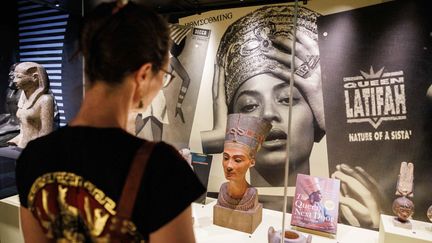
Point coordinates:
[(238, 200), (9, 123), (35, 106)]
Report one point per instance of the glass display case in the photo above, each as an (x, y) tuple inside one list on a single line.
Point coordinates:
[(344, 85)]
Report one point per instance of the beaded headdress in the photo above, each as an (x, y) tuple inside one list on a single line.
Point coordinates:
[(241, 49), (249, 131)]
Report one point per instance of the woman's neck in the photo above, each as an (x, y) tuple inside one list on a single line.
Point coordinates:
[(236, 189), (104, 106)]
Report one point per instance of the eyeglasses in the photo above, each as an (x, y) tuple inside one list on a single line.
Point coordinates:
[(167, 77)]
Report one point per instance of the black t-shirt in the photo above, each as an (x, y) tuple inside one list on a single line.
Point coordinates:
[(103, 156)]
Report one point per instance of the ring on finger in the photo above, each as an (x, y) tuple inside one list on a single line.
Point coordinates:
[(304, 70)]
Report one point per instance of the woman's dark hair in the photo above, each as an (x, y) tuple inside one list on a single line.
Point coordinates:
[(117, 41)]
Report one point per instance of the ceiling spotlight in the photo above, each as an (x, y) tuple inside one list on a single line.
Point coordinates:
[(57, 4)]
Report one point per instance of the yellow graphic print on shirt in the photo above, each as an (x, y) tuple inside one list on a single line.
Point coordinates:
[(71, 209)]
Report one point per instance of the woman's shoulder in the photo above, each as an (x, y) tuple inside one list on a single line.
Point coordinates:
[(166, 155), (164, 147), (91, 136), (168, 164)]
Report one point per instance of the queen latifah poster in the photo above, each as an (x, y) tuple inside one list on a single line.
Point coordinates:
[(376, 67)]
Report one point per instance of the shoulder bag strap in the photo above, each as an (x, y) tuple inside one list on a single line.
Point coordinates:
[(133, 180)]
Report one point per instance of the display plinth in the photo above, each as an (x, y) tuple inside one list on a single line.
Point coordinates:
[(245, 221), (421, 232), (406, 225)]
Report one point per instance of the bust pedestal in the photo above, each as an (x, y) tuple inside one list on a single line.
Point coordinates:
[(421, 232), (243, 214), (245, 221)]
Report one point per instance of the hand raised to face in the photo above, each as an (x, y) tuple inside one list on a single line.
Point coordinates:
[(360, 196), (307, 74)]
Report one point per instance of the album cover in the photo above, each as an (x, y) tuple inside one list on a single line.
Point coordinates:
[(316, 203)]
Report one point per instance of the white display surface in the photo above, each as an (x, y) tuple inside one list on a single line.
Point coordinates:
[(421, 232), (9, 220), (207, 232)]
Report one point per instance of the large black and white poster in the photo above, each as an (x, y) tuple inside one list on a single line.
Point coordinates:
[(247, 71), (376, 65)]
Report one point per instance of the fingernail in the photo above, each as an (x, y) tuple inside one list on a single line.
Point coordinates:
[(345, 167), (359, 168)]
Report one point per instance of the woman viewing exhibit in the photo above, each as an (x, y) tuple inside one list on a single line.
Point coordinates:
[(252, 76), (91, 181)]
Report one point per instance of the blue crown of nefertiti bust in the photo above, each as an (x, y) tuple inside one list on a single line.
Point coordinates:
[(249, 131)]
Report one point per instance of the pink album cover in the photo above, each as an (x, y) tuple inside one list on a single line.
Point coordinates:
[(316, 203)]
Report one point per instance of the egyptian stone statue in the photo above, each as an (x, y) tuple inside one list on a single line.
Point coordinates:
[(244, 136), (35, 105), (402, 206)]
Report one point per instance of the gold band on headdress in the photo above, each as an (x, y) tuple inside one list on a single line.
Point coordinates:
[(241, 49), (247, 131)]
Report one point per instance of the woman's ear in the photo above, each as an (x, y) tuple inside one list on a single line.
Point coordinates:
[(142, 80), (144, 73)]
